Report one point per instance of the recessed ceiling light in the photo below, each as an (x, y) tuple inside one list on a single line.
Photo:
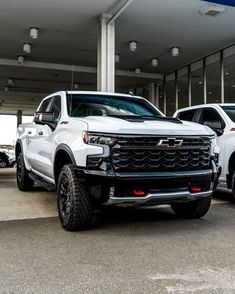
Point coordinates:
[(33, 33), (154, 62), (212, 10), (133, 46), (20, 59), (117, 58), (209, 93), (175, 51), (10, 82), (27, 48)]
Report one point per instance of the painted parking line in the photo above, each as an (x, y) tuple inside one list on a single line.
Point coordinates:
[(220, 201)]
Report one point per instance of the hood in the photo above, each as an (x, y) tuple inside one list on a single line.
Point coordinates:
[(105, 124)]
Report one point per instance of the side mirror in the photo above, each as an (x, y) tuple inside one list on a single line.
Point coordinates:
[(44, 117), (216, 126)]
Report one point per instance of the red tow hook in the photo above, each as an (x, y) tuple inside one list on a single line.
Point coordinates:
[(138, 192), (196, 189)]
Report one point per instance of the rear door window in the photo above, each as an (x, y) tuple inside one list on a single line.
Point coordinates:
[(56, 108), (187, 115), (210, 115), (45, 105)]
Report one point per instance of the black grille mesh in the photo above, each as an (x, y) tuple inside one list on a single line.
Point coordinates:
[(144, 154)]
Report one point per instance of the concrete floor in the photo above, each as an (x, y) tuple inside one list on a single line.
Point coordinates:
[(23, 205), (128, 251)]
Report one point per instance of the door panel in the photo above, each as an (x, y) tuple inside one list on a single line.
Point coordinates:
[(41, 146)]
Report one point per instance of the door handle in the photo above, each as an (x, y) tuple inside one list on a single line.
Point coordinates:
[(40, 133)]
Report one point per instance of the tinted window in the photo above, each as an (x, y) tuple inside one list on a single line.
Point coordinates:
[(210, 115), (230, 111), (56, 108), (186, 115), (44, 105), (100, 105)]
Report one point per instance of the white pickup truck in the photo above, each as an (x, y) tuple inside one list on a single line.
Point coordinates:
[(220, 118), (113, 149)]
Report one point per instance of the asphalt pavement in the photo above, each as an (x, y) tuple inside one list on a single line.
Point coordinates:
[(144, 250)]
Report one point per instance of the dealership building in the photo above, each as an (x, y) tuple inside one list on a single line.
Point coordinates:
[(174, 53)]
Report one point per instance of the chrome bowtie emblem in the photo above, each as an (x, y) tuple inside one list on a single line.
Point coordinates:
[(170, 142)]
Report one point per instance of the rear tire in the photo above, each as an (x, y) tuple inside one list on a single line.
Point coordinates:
[(24, 182), (194, 209), (233, 185), (74, 203)]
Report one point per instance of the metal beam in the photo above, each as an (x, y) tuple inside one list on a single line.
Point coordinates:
[(77, 68), (144, 75), (120, 11)]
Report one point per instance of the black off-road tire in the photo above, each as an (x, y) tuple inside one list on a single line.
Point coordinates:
[(233, 185), (24, 182), (74, 203), (194, 209)]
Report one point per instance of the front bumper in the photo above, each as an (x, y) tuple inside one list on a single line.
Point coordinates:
[(159, 198), (159, 187)]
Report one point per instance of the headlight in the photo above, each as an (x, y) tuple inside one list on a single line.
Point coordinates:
[(97, 139), (215, 150), (214, 147)]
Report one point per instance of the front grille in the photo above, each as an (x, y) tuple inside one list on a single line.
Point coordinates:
[(151, 154)]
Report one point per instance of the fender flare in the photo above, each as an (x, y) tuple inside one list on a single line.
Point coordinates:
[(18, 142), (67, 149)]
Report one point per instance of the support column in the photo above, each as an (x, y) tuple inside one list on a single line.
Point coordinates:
[(106, 54), (19, 117), (152, 94)]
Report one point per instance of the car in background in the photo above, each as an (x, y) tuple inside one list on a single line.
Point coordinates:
[(4, 160), (221, 119), (12, 158)]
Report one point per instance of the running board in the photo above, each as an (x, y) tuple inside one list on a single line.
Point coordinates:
[(48, 186)]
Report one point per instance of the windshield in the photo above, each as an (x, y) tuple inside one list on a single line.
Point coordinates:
[(230, 111), (82, 105)]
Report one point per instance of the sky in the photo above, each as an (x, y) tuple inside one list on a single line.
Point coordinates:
[(8, 128)]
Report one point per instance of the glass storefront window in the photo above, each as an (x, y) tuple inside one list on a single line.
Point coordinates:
[(183, 87), (170, 94), (197, 83), (161, 98), (213, 78), (229, 79)]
